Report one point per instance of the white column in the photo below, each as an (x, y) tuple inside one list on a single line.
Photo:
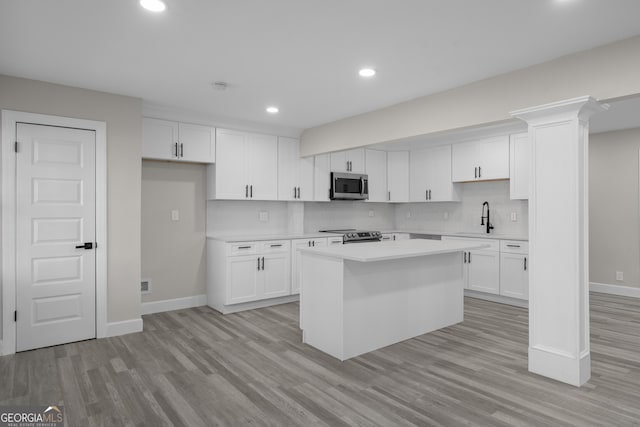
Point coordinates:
[(559, 238)]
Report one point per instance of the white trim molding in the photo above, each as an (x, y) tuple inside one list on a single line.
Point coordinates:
[(123, 327), (173, 304), (623, 291), (9, 123)]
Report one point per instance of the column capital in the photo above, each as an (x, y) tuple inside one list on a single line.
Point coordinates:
[(581, 108)]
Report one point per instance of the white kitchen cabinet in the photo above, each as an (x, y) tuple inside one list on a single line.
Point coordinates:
[(321, 178), (247, 167), (398, 176), (295, 173), (430, 175), (519, 166), (481, 267), (246, 272), (348, 161), (168, 140), (514, 269), (482, 160), (376, 169), (295, 258)]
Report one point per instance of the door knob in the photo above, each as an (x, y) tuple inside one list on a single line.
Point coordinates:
[(87, 245)]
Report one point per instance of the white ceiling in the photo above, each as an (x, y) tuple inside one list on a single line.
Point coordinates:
[(302, 56)]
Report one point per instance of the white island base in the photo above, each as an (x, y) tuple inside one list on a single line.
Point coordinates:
[(349, 307)]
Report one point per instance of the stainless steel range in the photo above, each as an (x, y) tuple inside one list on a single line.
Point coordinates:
[(351, 235)]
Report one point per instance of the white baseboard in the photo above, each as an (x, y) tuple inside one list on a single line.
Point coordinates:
[(173, 304), (623, 291), (496, 298), (124, 327), (235, 308)]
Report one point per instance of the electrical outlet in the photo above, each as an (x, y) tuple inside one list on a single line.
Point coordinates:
[(371, 213), (619, 276), (175, 215), (514, 217), (264, 216), (408, 215)]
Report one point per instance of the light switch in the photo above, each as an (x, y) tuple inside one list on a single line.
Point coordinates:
[(619, 276), (514, 217), (264, 216), (175, 215), (408, 215)]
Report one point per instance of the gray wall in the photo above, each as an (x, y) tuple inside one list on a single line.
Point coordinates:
[(124, 122), (613, 207), (173, 252)]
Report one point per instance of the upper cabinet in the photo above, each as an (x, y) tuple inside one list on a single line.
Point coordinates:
[(398, 176), (167, 140), (321, 178), (430, 175), (482, 160), (348, 161), (376, 169), (295, 174), (519, 166), (247, 167)]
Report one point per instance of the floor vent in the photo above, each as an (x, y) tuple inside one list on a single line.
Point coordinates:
[(145, 286)]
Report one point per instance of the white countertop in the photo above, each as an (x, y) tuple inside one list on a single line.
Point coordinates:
[(230, 238), (476, 235), (384, 251)]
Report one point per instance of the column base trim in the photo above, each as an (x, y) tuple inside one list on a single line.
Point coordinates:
[(560, 367)]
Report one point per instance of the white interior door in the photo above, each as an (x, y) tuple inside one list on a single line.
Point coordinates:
[(55, 213)]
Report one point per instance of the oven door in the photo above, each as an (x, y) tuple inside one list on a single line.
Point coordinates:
[(349, 186)]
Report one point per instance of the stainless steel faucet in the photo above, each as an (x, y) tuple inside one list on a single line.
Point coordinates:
[(483, 217)]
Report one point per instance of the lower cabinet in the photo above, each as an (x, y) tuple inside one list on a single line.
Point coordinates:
[(483, 271), (514, 269), (295, 258), (248, 271)]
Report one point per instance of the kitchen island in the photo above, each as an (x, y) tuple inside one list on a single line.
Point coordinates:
[(360, 297)]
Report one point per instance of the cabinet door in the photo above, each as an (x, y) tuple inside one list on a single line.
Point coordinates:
[(262, 166), (196, 143), (230, 171), (464, 162), (398, 176), (159, 139), (484, 271), (418, 175), (493, 158), (514, 276), (305, 178), (288, 153), (295, 259), (242, 283), (439, 184), (376, 169), (357, 160), (338, 162), (321, 178), (519, 166), (275, 275)]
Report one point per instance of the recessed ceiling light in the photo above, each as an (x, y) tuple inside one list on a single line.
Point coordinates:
[(272, 110), (153, 5), (367, 72)]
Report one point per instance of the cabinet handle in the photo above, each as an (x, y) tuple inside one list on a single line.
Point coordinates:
[(176, 149), (181, 149), (479, 172), (469, 257), (429, 194), (244, 247), (251, 191), (389, 195), (262, 263), (246, 191), (525, 263), (475, 172), (426, 194), (298, 192), (258, 263), (464, 257), (277, 245), (513, 246), (313, 243)]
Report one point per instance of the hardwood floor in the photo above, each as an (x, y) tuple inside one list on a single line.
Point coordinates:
[(198, 368)]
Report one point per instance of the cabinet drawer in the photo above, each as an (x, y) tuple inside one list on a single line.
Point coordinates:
[(275, 246), (335, 241), (493, 245), (242, 248), (514, 246)]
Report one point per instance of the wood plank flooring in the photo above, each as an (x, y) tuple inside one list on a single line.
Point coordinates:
[(196, 367)]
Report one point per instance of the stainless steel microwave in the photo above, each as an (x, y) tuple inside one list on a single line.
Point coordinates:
[(349, 186)]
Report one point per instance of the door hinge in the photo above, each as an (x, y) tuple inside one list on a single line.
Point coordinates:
[(15, 316), (15, 147)]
